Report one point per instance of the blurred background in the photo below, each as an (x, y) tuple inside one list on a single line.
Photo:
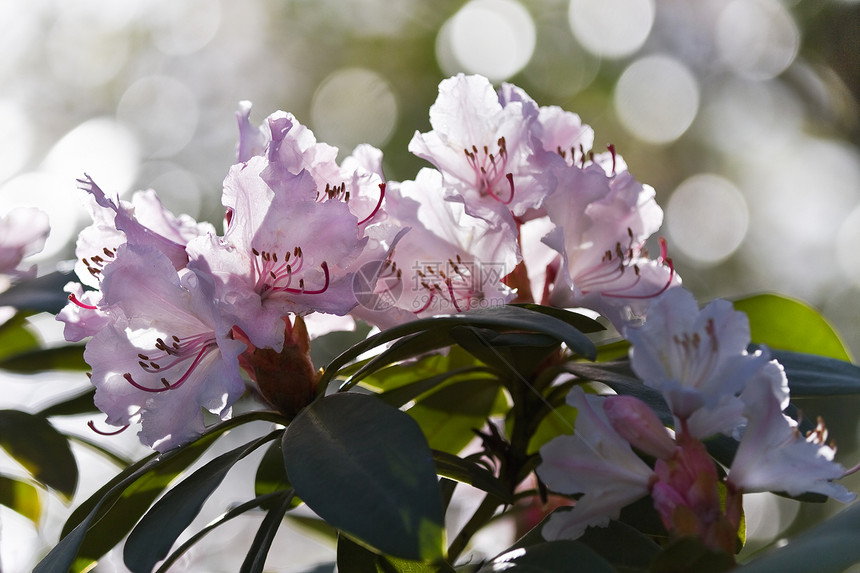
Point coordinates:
[(743, 114)]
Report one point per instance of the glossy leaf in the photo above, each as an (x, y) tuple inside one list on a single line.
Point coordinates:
[(408, 392), (41, 449), (41, 294), (550, 557), (464, 471), (327, 347), (353, 558), (788, 324), (16, 336), (80, 404), (255, 560), (501, 318), (69, 357), (448, 416), (271, 476), (151, 539), (22, 497), (830, 547), (107, 516), (812, 375), (241, 509), (690, 555), (365, 468)]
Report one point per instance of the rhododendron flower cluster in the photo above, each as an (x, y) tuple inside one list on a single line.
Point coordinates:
[(698, 361), (177, 311)]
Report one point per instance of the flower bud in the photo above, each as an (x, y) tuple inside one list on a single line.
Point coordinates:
[(639, 425)]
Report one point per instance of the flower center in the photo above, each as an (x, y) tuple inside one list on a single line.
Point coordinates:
[(177, 357), (276, 274), (95, 263), (489, 171), (454, 284), (617, 270)]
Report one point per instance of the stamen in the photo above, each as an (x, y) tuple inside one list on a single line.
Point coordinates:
[(378, 205), (75, 300), (92, 426)]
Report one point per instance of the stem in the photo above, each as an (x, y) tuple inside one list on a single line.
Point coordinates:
[(480, 518)]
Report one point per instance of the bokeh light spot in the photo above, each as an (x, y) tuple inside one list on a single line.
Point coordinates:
[(182, 28), (163, 113), (848, 247), (707, 218), (495, 38), (101, 147), (352, 106), (54, 195), (611, 28), (657, 98), (757, 38), (16, 139)]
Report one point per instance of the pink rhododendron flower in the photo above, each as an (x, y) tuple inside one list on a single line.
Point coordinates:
[(22, 233), (698, 360), (773, 456), (486, 151), (142, 221), (166, 353), (448, 261), (595, 461), (601, 223), (283, 252)]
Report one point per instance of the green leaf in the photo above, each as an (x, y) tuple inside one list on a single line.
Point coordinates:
[(21, 496), (263, 500), (690, 555), (353, 558), (392, 377), (830, 547), (365, 468), (42, 294), (16, 336), (271, 475), (69, 357), (501, 318), (255, 560), (448, 416), (108, 515), (403, 394), (812, 375), (151, 539), (41, 449), (327, 347), (464, 471), (550, 557), (558, 421), (578, 321), (788, 324), (80, 404)]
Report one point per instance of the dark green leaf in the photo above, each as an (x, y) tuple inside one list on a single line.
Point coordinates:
[(551, 557), (464, 471), (788, 324), (151, 539), (263, 500), (578, 321), (365, 468), (327, 347), (108, 515), (558, 421), (353, 558), (21, 496), (16, 336), (501, 318), (626, 548), (690, 555), (42, 294), (403, 394), (41, 449), (812, 375), (448, 416), (80, 404), (271, 476), (830, 547), (69, 357), (256, 557)]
